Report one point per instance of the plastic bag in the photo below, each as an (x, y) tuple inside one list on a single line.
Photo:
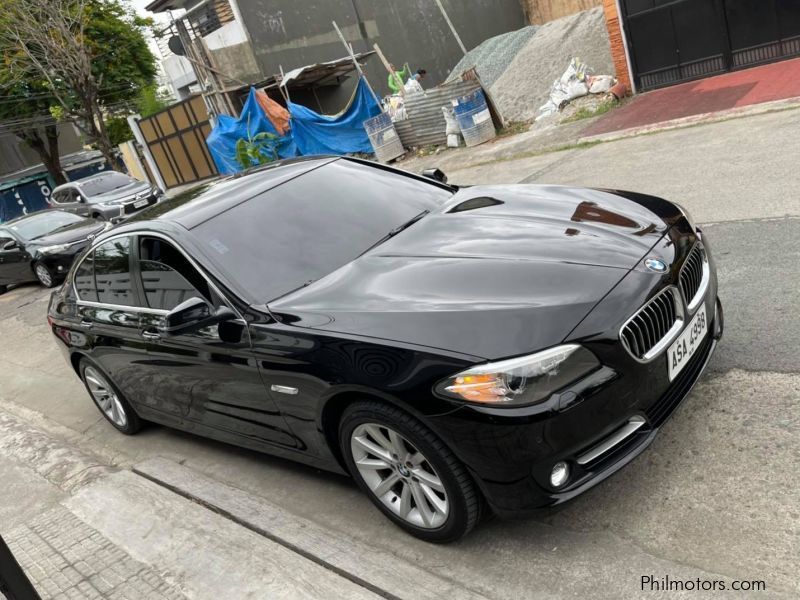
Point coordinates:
[(599, 84), (451, 124), (572, 84)]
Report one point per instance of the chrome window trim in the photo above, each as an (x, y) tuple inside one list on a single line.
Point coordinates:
[(143, 309), (122, 307), (672, 334), (694, 303)]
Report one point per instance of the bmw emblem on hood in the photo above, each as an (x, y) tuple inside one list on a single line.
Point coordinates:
[(655, 264)]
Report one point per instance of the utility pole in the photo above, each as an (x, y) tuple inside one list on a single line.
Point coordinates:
[(349, 49), (452, 27)]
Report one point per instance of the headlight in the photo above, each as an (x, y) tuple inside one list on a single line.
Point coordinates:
[(53, 249), (520, 381)]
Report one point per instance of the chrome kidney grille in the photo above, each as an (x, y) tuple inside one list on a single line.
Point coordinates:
[(654, 326), (693, 278)]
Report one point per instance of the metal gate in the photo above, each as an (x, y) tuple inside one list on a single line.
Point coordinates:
[(674, 41), (176, 138)]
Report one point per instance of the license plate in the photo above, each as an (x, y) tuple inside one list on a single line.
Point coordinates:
[(682, 349), (141, 203)]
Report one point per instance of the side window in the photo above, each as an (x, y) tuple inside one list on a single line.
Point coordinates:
[(112, 272), (84, 280), (168, 278)]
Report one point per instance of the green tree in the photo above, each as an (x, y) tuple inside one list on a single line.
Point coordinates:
[(25, 111), (88, 57), (151, 101)]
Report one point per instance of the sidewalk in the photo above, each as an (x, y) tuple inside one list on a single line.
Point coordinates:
[(83, 529)]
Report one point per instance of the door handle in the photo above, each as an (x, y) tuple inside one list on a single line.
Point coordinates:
[(151, 335), (86, 324)]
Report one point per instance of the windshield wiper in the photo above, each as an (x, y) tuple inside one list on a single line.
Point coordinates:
[(396, 230)]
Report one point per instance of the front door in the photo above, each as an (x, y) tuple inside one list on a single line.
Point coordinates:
[(14, 261), (210, 376)]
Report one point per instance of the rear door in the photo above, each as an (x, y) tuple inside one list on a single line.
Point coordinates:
[(70, 200), (108, 315), (209, 376)]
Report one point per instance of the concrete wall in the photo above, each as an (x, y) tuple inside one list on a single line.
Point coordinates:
[(542, 11), (16, 154), (293, 33)]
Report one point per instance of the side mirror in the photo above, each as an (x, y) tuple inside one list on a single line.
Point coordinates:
[(192, 315), (12, 245), (435, 174)]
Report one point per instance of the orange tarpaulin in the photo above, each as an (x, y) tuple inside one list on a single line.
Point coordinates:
[(278, 116)]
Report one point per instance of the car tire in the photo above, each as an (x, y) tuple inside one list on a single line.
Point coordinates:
[(425, 490), (44, 275), (108, 399)]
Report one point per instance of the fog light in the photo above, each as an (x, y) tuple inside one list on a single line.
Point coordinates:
[(559, 474)]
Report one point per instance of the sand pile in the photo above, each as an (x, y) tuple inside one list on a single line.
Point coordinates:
[(493, 56), (524, 85)]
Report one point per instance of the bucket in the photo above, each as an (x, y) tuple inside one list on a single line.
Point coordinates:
[(474, 118), (383, 137)]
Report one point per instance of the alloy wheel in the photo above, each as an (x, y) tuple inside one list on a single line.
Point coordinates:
[(399, 475), (44, 275), (105, 397)]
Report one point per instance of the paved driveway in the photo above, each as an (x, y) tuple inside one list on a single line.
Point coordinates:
[(767, 83)]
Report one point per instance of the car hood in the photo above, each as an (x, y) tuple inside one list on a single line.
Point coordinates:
[(73, 233), (499, 271), (123, 194)]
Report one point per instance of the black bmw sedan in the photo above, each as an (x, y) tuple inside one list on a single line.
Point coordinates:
[(456, 351), (41, 246)]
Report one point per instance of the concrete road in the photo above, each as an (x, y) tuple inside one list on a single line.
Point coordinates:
[(717, 496)]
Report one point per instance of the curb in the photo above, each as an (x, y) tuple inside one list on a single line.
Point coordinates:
[(371, 567)]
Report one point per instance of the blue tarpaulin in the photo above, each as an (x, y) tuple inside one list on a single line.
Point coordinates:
[(311, 132), (340, 134), (228, 130)]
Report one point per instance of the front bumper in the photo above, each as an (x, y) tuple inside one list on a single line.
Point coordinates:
[(511, 455), (61, 262)]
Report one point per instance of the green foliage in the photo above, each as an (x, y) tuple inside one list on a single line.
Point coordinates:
[(256, 150), (44, 72), (122, 61), (118, 130), (586, 112), (151, 101)]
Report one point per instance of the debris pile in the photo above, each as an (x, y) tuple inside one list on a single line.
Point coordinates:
[(519, 67), (574, 83), (526, 83)]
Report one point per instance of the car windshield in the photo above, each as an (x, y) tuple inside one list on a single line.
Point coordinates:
[(310, 226), (102, 184), (43, 223)]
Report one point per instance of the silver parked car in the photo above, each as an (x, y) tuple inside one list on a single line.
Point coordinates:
[(107, 196)]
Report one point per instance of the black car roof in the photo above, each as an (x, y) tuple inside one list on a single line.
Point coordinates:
[(202, 203)]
